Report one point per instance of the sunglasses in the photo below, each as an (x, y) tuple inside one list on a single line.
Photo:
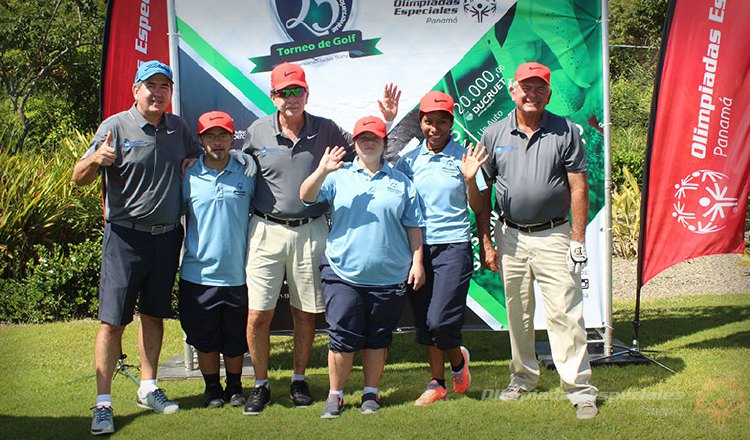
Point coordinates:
[(210, 137), (290, 91)]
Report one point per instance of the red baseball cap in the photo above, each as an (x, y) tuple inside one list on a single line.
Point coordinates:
[(532, 70), (287, 74), (213, 119), (370, 124), (436, 100)]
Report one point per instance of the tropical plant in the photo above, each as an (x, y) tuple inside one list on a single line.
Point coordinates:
[(626, 216), (40, 204)]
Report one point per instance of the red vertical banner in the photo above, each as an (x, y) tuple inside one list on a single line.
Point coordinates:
[(136, 31), (698, 157)]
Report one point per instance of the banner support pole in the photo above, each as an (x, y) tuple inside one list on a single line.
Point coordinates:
[(608, 328), (174, 62)]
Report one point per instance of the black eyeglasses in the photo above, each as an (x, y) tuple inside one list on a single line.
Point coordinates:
[(290, 91), (210, 137)]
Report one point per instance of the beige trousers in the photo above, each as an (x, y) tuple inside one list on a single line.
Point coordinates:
[(541, 256), (275, 250)]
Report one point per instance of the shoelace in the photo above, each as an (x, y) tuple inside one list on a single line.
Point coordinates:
[(102, 413), (256, 394), (160, 397)]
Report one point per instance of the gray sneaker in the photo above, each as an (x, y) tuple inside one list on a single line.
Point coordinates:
[(513, 392), (158, 401), (103, 421), (334, 406), (586, 410), (370, 403)]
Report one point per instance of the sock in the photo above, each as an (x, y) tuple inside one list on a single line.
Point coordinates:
[(339, 393), (373, 390), (459, 367), (212, 380), (296, 377), (147, 386), (262, 383), (440, 382), (103, 400), (234, 379)]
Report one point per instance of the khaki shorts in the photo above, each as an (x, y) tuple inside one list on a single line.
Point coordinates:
[(275, 250)]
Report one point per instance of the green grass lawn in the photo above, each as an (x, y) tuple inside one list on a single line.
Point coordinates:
[(47, 386)]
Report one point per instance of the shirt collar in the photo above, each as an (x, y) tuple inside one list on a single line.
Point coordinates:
[(448, 150), (277, 126), (542, 122), (385, 169), (142, 121), (232, 167)]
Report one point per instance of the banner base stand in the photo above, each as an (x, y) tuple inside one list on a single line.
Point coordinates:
[(176, 369), (620, 356)]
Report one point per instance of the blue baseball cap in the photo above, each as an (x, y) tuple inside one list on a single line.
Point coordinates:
[(151, 68)]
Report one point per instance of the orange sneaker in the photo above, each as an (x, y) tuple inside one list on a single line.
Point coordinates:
[(432, 393), (462, 379)]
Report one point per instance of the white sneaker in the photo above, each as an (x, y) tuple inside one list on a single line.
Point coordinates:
[(158, 401), (103, 421), (513, 392)]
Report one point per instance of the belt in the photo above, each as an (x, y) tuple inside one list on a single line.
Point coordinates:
[(153, 230), (293, 222), (535, 228)]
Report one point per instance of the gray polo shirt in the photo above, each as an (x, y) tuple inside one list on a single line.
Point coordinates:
[(143, 185), (283, 165), (530, 174)]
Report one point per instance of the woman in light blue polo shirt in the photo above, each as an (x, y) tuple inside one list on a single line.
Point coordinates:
[(374, 250), (447, 180)]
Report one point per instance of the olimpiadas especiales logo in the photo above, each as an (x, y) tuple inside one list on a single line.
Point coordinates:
[(702, 201), (315, 28)]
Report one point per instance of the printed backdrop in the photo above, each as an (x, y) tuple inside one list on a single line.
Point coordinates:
[(350, 49)]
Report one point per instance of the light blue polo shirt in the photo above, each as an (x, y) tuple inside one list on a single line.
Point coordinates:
[(368, 244), (441, 186), (218, 208)]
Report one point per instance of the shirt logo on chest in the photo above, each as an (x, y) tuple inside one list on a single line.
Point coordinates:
[(267, 150), (239, 191), (504, 148), (394, 187), (130, 144)]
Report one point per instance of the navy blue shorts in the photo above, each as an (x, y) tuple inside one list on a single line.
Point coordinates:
[(439, 306), (360, 317), (137, 267), (214, 318)]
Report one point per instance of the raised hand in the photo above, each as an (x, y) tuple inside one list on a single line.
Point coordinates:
[(389, 104), (332, 159), (472, 160), (105, 155)]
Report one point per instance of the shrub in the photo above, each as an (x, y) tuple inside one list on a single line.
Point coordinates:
[(41, 205), (626, 216), (61, 283), (628, 151)]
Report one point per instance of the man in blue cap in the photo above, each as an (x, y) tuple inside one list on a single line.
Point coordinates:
[(138, 153)]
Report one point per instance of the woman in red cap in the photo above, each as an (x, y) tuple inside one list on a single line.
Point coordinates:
[(373, 251), (447, 180)]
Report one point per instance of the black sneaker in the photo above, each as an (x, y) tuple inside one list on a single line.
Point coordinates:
[(234, 396), (257, 400), (213, 397), (300, 393)]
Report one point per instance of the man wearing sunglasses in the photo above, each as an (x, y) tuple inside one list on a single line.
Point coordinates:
[(286, 237)]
